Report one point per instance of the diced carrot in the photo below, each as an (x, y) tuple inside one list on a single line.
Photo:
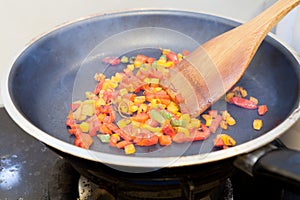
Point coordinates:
[(147, 141), (141, 117), (165, 140), (122, 144), (262, 109)]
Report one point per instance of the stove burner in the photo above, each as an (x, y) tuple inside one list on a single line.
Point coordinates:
[(109, 184), (65, 183)]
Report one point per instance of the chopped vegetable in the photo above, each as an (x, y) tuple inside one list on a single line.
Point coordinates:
[(262, 109), (133, 108), (224, 141), (105, 138), (129, 149), (257, 124), (242, 102)]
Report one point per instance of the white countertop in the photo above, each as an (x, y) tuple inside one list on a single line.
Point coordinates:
[(21, 21)]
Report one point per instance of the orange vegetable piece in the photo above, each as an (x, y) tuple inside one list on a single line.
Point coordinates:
[(122, 144), (141, 117), (165, 140), (262, 109)]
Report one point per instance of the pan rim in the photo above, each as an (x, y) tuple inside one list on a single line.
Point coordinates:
[(131, 161)]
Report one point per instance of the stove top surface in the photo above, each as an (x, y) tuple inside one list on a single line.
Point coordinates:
[(24, 163)]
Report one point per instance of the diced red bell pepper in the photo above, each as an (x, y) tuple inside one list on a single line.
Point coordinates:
[(244, 103), (197, 135), (125, 135), (150, 60), (99, 87), (141, 58), (111, 60), (218, 142), (167, 129), (171, 56)]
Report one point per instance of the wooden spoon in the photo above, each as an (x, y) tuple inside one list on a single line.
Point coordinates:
[(214, 67)]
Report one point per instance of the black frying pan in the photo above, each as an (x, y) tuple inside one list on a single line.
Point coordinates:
[(58, 68)]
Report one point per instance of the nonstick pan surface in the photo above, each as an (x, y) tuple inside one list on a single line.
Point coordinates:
[(58, 68)]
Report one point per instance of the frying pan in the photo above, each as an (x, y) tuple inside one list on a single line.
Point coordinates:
[(58, 67)]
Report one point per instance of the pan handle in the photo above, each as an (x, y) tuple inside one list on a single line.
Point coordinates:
[(273, 164)]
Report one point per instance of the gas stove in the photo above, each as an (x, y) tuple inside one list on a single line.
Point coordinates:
[(30, 170)]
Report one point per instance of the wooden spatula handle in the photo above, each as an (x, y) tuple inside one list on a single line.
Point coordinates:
[(219, 63)]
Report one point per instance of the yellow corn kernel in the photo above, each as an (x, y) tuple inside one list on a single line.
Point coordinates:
[(116, 136), (130, 67), (228, 141), (119, 75), (100, 102), (225, 114), (169, 64), (139, 99), (257, 124), (172, 107), (101, 117), (133, 108), (243, 92), (224, 125), (208, 119), (254, 100), (137, 63), (116, 79), (84, 127), (230, 121), (129, 149), (156, 89), (108, 84), (161, 62), (229, 96), (142, 108), (179, 56)]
